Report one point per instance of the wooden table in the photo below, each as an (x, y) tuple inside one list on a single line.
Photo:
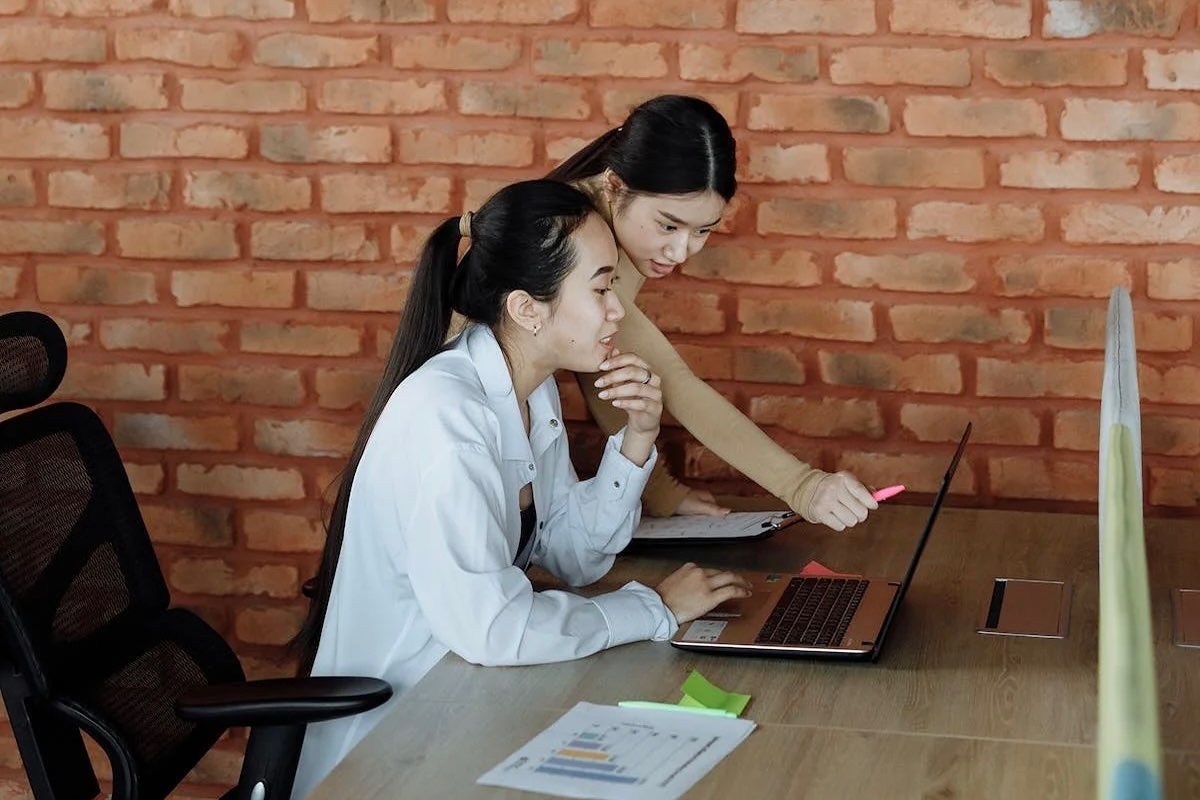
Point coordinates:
[(945, 713)]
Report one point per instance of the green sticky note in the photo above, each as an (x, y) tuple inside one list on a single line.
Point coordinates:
[(698, 691)]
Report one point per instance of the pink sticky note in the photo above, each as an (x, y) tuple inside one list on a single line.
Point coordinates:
[(816, 568)]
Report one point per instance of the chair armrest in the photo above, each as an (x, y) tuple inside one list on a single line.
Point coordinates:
[(282, 701)]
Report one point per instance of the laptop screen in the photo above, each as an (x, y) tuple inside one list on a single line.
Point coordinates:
[(933, 513)]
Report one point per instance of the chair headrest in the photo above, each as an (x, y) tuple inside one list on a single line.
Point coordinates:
[(33, 359)]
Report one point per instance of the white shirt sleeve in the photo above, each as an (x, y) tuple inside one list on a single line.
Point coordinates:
[(589, 522), (482, 607)]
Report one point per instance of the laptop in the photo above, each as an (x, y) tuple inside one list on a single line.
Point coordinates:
[(817, 616)]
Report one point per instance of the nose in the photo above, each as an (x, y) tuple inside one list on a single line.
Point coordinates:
[(616, 310), (676, 248)]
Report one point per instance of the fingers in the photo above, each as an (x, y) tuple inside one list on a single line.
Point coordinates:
[(698, 502), (846, 517), (842, 502), (832, 522), (727, 593), (618, 359), (839, 517), (632, 391), (630, 376), (626, 368), (691, 591), (630, 384), (705, 508), (850, 509), (859, 492), (722, 586), (724, 579), (711, 579)]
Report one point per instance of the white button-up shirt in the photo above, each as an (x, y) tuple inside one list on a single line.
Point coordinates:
[(432, 531)]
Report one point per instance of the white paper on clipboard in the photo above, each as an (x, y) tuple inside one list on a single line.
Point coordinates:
[(735, 525)]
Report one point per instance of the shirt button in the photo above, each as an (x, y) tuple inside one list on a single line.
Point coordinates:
[(553, 423), (617, 484), (531, 467)]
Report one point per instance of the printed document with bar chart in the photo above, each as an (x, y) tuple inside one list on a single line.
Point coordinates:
[(611, 753)]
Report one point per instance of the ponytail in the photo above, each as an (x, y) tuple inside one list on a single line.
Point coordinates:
[(421, 334), (591, 160)]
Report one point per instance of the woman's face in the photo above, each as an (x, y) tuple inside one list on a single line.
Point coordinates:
[(581, 325), (659, 231)]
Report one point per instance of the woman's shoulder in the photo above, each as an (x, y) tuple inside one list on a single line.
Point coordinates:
[(443, 399), (460, 399)]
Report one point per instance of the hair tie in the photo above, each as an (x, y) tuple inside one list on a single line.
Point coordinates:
[(464, 225)]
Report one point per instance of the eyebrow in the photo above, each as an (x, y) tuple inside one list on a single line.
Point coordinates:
[(600, 272), (679, 221)]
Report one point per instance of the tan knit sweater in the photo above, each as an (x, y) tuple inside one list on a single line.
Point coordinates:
[(708, 416)]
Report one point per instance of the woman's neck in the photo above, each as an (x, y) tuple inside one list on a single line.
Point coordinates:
[(527, 373), (630, 280), (523, 385)]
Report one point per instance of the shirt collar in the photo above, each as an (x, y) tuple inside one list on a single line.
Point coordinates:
[(484, 351)]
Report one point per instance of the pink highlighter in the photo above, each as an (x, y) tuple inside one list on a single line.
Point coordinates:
[(879, 495)]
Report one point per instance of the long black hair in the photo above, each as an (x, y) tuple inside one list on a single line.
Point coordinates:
[(520, 239), (672, 144)]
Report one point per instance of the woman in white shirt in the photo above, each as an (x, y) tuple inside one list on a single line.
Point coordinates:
[(461, 477)]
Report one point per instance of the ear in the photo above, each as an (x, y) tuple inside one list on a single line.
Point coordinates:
[(613, 185), (523, 310)]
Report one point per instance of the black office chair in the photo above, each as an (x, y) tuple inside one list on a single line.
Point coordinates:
[(89, 643)]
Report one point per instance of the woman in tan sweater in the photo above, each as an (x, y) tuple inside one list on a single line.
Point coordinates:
[(662, 181)]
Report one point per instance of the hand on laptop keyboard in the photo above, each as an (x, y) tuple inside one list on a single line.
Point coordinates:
[(840, 502), (692, 591)]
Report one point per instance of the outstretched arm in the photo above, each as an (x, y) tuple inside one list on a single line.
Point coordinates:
[(837, 500)]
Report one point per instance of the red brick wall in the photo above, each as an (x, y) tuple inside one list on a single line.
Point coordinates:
[(220, 200)]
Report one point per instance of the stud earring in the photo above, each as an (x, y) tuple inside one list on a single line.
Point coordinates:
[(536, 328)]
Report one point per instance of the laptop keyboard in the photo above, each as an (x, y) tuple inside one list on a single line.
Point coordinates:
[(813, 611)]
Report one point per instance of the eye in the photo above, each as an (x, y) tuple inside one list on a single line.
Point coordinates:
[(667, 227), (704, 231)]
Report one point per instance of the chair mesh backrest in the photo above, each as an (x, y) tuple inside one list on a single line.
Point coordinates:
[(33, 357), (73, 551), (181, 653), (77, 565)]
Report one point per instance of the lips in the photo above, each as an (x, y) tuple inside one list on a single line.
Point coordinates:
[(661, 268), (607, 342)]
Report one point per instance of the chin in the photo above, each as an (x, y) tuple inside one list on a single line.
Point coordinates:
[(587, 364)]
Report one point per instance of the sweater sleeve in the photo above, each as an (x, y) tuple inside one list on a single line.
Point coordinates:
[(663, 493), (714, 421)]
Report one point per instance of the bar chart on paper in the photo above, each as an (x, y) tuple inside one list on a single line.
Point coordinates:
[(604, 752)]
